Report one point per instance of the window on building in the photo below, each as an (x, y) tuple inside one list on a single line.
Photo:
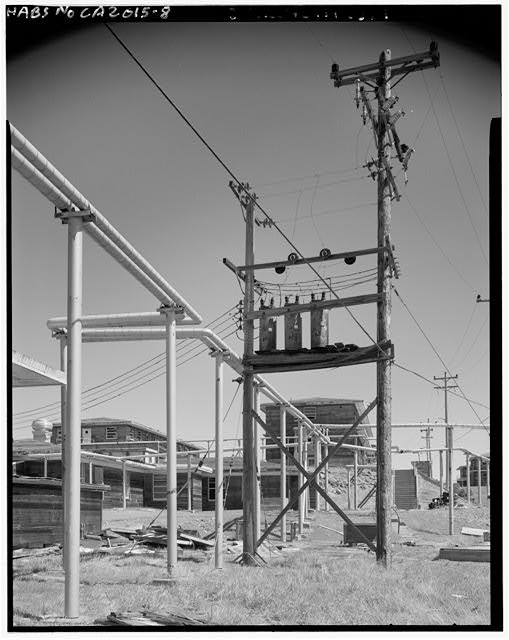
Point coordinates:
[(111, 433), (211, 489), (98, 475), (310, 412)]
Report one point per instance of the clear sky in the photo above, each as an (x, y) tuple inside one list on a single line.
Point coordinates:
[(261, 96)]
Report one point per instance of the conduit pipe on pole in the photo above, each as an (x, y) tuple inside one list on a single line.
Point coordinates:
[(26, 149), (257, 476), (219, 461)]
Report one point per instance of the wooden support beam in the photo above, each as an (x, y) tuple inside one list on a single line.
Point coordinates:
[(303, 361), (309, 482), (352, 301), (301, 261), (324, 463)]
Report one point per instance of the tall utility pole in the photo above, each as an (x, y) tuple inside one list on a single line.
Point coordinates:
[(449, 445), (249, 462), (383, 367), (378, 76)]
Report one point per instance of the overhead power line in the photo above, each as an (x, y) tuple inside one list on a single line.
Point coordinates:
[(235, 178), (434, 349), (143, 369)]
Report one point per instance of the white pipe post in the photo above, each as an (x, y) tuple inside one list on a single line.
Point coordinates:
[(355, 472), (282, 436), (257, 465), (441, 471), (467, 464), (317, 462), (45, 467), (326, 470), (124, 485), (219, 461), (72, 443), (487, 479), (305, 456), (171, 441), (189, 484), (479, 491), (300, 481), (348, 481), (62, 338)]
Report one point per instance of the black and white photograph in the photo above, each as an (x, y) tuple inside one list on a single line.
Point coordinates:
[(253, 318)]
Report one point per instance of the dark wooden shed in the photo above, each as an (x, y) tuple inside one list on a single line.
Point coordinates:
[(37, 510)]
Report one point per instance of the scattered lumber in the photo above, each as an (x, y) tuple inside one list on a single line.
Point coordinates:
[(227, 526), (199, 543), (149, 619), (341, 533), (29, 553)]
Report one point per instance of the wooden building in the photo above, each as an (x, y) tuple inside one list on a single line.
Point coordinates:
[(37, 511), (326, 411), (474, 472), (119, 437)]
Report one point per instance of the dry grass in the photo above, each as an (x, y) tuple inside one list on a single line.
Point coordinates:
[(321, 585)]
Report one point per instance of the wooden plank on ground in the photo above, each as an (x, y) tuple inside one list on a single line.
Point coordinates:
[(476, 553), (471, 531)]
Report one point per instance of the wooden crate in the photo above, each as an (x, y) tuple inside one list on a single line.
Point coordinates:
[(351, 536)]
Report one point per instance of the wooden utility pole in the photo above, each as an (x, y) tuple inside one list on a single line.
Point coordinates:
[(383, 367), (249, 467), (449, 444), (378, 76)]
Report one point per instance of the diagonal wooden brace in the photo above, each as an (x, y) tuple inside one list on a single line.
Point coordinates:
[(311, 476), (316, 471)]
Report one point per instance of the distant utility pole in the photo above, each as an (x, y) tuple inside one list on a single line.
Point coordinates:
[(449, 446), (378, 76), (428, 431)]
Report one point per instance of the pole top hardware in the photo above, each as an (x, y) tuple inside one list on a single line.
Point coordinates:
[(64, 214), (399, 66)]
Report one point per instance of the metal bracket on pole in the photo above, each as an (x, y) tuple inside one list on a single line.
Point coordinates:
[(63, 215)]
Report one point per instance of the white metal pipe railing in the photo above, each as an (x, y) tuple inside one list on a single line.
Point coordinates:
[(118, 320), (54, 195), (21, 146), (209, 338)]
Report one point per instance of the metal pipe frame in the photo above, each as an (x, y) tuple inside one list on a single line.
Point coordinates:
[(46, 178), (171, 443), (210, 339), (219, 461)]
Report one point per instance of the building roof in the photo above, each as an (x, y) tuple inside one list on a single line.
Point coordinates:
[(30, 446), (27, 372)]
